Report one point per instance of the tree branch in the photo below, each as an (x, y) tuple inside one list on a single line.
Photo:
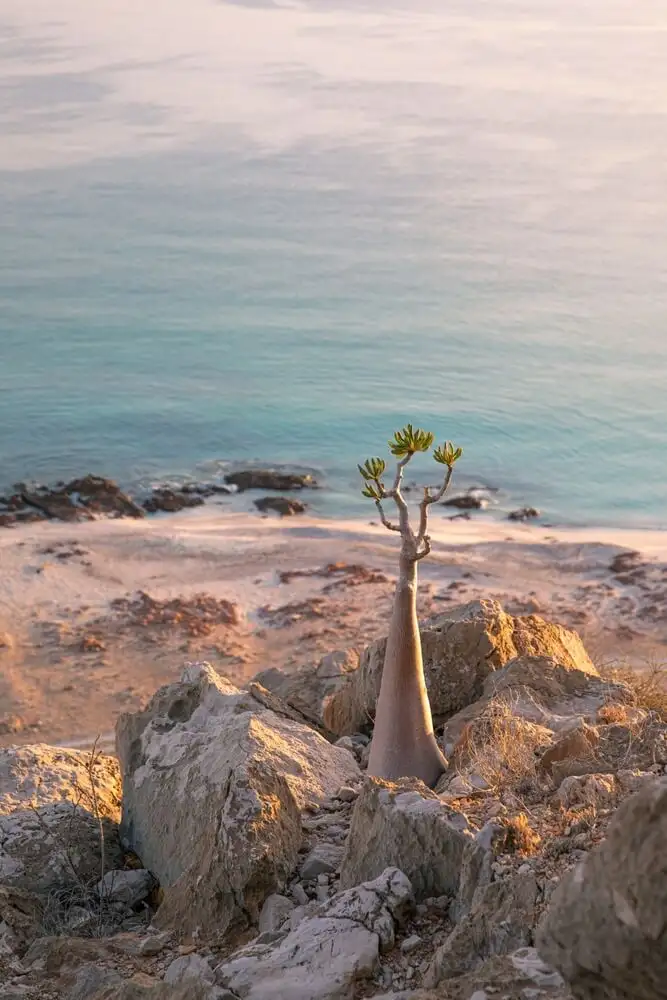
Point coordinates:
[(397, 496), (428, 500), (445, 486), (399, 474), (426, 542), (383, 517)]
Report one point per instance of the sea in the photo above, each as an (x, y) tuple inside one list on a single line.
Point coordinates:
[(273, 232)]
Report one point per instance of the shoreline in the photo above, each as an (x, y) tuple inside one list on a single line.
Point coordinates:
[(78, 645), (324, 497)]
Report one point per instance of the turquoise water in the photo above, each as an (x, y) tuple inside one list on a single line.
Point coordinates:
[(238, 232)]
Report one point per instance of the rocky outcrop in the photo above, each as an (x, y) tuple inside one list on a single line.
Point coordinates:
[(285, 506), (522, 974), (461, 648), (214, 786), (307, 690), (92, 496), (77, 500), (50, 816), (605, 928), (578, 742), (501, 919), (406, 825), (542, 690), (323, 957), (269, 479), (21, 915)]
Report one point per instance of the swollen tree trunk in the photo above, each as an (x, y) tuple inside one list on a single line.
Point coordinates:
[(403, 741)]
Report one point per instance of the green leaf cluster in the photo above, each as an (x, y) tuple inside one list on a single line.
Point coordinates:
[(447, 454), (404, 444), (371, 471), (410, 440)]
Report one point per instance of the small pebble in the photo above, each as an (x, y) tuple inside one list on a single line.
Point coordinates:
[(346, 794), (410, 944), (299, 894), (154, 944)]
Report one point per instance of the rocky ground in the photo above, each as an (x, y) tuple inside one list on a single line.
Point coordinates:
[(235, 849)]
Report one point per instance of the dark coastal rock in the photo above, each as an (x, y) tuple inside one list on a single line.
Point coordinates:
[(78, 500), (523, 514), (268, 479), (204, 489), (467, 501), (90, 496), (170, 501), (55, 504), (626, 562), (103, 496), (285, 506)]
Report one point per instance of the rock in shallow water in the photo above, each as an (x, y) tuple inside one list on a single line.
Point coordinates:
[(285, 506), (269, 479)]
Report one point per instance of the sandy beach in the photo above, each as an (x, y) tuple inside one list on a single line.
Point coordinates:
[(95, 616)]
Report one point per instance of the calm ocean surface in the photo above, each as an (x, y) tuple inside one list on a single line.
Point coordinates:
[(234, 231)]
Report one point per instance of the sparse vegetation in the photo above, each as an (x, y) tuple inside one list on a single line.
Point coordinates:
[(79, 906), (501, 747), (647, 682), (520, 838)]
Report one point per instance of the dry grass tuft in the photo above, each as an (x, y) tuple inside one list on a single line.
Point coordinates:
[(648, 684), (613, 715), (501, 747), (520, 838)]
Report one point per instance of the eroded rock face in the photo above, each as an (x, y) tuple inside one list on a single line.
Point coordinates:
[(405, 825), (308, 689), (605, 927), (20, 919), (214, 786), (460, 649), (543, 691), (501, 919), (509, 977), (328, 951), (49, 821)]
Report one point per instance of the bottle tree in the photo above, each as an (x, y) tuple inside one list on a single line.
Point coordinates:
[(403, 743)]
